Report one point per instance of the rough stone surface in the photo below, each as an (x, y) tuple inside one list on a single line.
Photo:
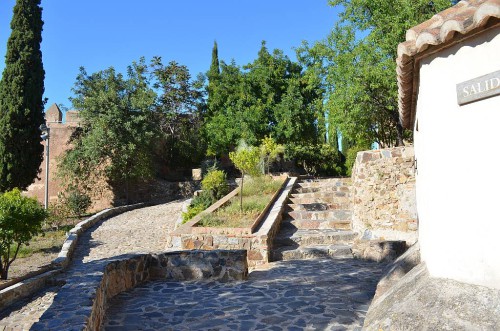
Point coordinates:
[(383, 194), (419, 302), (290, 295), (378, 250), (317, 222), (398, 269)]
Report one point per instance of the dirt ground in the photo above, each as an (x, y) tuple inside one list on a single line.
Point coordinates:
[(22, 266)]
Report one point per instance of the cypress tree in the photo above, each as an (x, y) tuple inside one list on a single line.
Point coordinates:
[(213, 78), (21, 99), (214, 66)]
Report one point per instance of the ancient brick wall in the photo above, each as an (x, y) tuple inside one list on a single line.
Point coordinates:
[(383, 186), (59, 137)]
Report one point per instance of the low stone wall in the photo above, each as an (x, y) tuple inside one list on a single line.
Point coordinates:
[(383, 191), (257, 244), (81, 303), (123, 275)]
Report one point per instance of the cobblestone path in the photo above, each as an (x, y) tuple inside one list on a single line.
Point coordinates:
[(136, 231), (331, 294)]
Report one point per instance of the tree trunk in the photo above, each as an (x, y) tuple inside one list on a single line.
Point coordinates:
[(400, 134), (241, 192)]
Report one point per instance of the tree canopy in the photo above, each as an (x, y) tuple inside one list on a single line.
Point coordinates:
[(270, 96), (21, 99), (115, 136), (356, 62)]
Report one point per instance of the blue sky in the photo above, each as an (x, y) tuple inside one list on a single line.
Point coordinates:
[(98, 34)]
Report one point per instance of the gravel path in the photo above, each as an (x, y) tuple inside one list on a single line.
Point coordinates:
[(136, 231)]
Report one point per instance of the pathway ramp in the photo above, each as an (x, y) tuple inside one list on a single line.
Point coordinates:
[(138, 231)]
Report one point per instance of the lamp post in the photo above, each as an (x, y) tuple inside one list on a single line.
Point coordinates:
[(46, 137)]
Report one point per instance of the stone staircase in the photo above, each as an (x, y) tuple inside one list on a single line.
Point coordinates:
[(317, 221)]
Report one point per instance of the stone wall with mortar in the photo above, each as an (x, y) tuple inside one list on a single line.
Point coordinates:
[(124, 274), (383, 193)]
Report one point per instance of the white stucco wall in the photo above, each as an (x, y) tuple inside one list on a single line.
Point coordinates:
[(458, 155)]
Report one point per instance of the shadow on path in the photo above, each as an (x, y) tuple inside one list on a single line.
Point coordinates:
[(329, 294)]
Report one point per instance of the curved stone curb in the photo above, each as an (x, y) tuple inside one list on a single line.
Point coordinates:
[(69, 245), (24, 287)]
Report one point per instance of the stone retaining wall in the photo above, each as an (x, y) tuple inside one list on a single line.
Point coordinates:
[(125, 274), (383, 191)]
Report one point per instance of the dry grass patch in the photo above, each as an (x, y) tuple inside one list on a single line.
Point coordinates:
[(257, 193)]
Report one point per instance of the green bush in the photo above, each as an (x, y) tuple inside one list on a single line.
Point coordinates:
[(214, 187), (77, 201), (58, 214), (198, 204), (21, 218), (214, 183), (318, 159)]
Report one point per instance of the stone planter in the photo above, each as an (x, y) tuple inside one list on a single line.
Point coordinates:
[(199, 229), (256, 239)]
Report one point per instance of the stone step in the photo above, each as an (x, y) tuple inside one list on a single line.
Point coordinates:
[(316, 206), (311, 252), (338, 196), (315, 189), (336, 214), (334, 180), (305, 237), (316, 224), (328, 199)]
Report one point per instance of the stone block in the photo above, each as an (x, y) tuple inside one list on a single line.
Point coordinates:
[(196, 174)]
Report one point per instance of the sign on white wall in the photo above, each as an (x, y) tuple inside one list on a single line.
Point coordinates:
[(478, 88)]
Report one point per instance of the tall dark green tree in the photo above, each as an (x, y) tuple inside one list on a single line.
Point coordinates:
[(213, 76), (21, 99)]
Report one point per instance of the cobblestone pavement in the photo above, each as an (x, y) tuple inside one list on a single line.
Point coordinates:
[(136, 231), (291, 295)]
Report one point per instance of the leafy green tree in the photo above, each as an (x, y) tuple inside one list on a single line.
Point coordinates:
[(295, 118), (224, 125), (246, 159), (21, 103), (115, 137), (270, 151), (178, 114), (357, 64), (21, 218), (262, 99)]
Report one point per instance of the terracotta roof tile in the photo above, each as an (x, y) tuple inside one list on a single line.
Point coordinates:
[(439, 31)]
